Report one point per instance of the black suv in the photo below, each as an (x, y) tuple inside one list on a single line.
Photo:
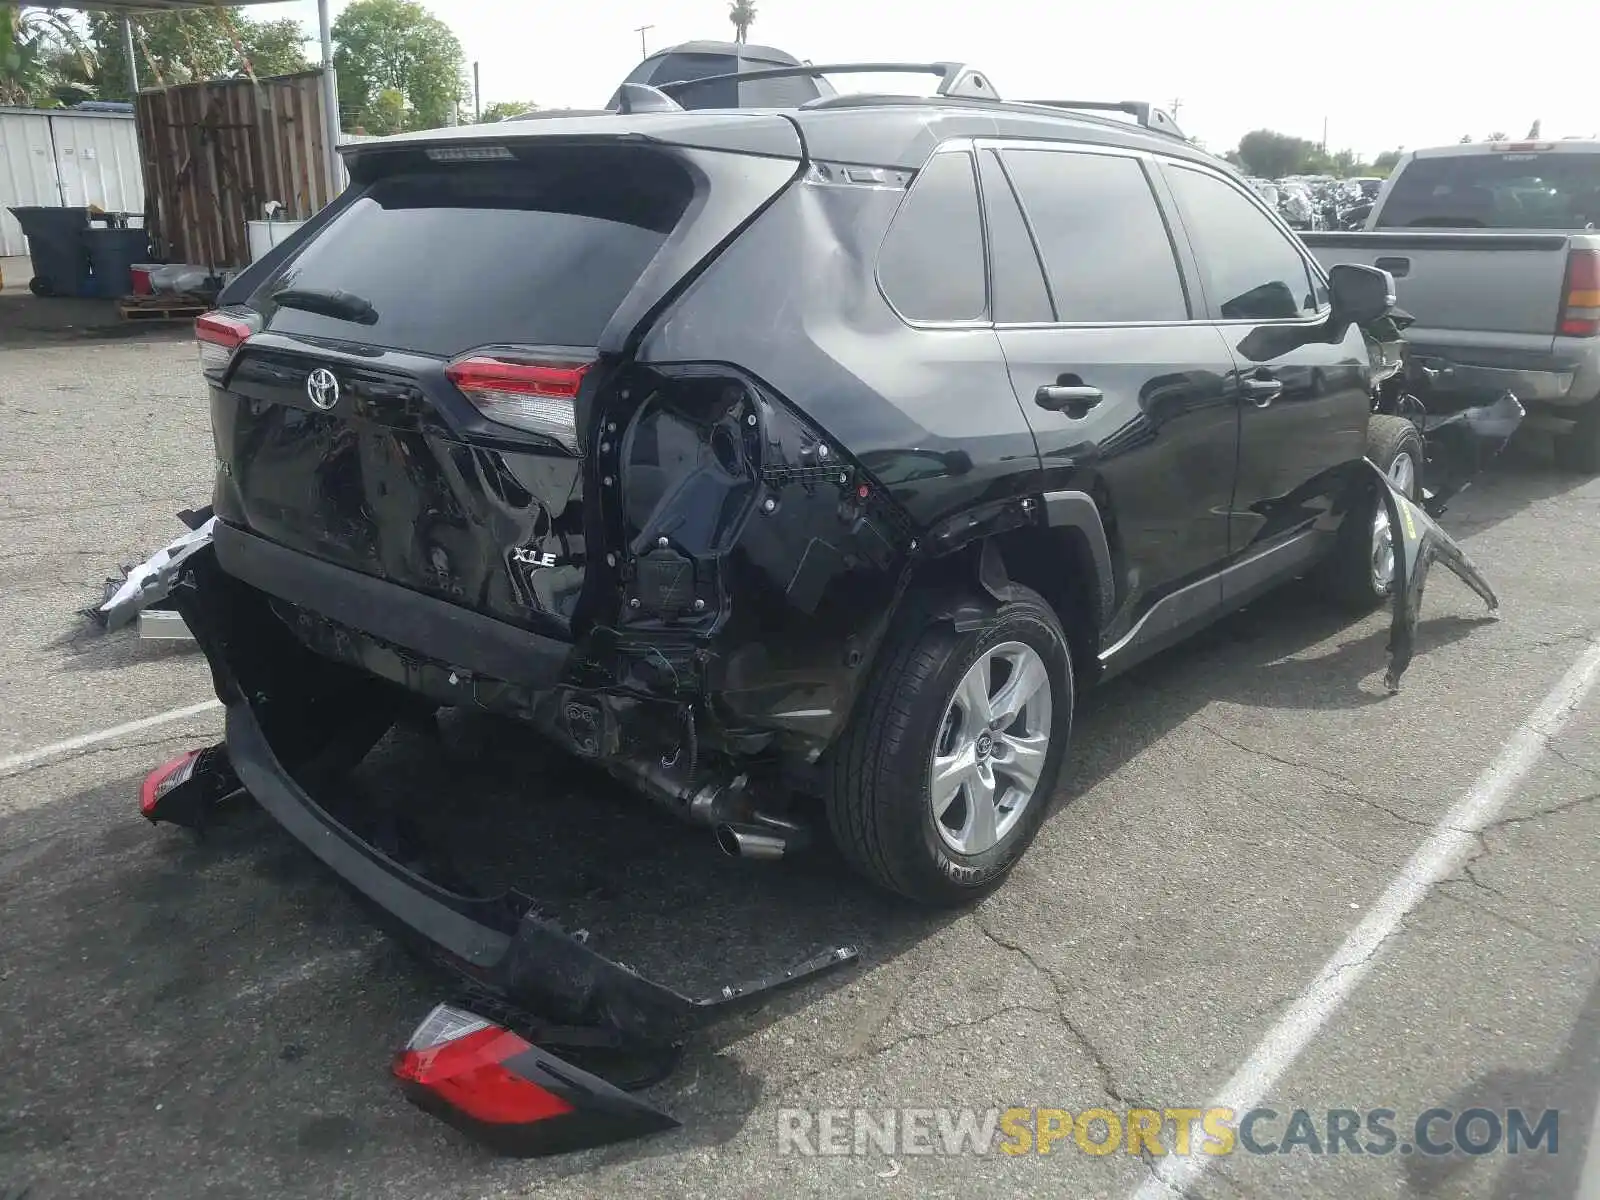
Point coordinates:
[(797, 465)]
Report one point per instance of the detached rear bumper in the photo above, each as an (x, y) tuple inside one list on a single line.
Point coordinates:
[(500, 943), (294, 716)]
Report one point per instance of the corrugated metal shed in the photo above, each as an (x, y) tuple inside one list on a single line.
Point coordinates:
[(216, 152), (63, 157)]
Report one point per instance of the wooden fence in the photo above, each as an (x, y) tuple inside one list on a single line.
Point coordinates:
[(214, 153)]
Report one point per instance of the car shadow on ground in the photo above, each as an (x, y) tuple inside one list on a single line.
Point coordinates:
[(238, 967)]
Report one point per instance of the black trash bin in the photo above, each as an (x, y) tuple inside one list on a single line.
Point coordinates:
[(55, 243), (112, 253)]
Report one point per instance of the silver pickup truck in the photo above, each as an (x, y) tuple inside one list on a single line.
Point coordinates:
[(1495, 251)]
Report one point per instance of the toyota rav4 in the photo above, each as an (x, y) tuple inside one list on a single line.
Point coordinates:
[(799, 466)]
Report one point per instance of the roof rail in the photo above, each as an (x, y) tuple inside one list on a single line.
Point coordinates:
[(1145, 113), (955, 79)]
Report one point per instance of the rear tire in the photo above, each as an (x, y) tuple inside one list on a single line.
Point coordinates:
[(921, 711), (1579, 448), (1353, 575), (40, 288)]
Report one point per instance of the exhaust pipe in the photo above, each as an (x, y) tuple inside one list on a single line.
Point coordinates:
[(750, 841), (767, 837)]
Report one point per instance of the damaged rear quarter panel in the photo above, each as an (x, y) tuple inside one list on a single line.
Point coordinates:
[(924, 418)]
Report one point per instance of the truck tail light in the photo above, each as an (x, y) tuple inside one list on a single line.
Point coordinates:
[(1580, 302), (528, 391), (220, 334)]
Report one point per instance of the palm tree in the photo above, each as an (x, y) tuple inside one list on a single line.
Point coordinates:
[(743, 14), (35, 47)]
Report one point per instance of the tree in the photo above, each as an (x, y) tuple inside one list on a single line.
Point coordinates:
[(1272, 155), (1533, 130), (1497, 137), (36, 50), (397, 45), (501, 109), (187, 46), (743, 15), (1386, 161)]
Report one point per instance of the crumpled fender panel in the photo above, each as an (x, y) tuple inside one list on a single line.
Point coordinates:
[(1419, 543)]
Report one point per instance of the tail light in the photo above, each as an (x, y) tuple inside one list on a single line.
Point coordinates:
[(534, 393), (163, 779), (491, 1083), (1580, 303), (461, 1059), (220, 334)]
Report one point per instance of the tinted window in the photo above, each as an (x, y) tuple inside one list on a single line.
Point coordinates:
[(931, 265), (1252, 270), (1015, 276), (465, 257), (1106, 250), (1496, 191)]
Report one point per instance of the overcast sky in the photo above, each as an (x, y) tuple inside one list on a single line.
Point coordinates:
[(1383, 73)]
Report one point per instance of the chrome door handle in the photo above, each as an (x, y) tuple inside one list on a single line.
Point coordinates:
[(1074, 401), (1262, 392)]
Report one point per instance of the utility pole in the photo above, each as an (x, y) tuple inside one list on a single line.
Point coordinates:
[(477, 93), (644, 51), (1324, 135), (1177, 103), (127, 43)]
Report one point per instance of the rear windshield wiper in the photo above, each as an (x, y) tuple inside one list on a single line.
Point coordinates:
[(342, 306)]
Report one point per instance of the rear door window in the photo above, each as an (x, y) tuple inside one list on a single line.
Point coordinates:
[(461, 257), (931, 266), (1253, 270), (1107, 254), (1496, 191)]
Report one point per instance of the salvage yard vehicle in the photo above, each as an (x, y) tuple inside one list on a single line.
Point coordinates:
[(1494, 250), (808, 480)]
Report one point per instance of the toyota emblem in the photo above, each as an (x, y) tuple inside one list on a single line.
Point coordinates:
[(323, 388)]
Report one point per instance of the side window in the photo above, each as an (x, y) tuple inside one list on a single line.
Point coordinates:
[(1015, 276), (1107, 253), (1252, 271), (931, 264)]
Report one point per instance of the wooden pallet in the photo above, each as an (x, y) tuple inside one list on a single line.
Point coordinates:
[(162, 308)]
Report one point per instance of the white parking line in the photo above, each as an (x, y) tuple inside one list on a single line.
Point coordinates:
[(1436, 859), (29, 758)]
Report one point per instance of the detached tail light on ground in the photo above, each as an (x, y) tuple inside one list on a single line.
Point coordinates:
[(220, 335), (164, 779), (499, 1088), (534, 393), (1580, 296)]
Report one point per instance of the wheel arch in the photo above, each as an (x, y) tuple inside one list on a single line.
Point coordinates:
[(1054, 544)]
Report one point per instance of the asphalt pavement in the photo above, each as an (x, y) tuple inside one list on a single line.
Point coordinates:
[(216, 1019)]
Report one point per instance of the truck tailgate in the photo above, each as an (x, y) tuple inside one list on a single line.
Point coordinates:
[(1504, 283)]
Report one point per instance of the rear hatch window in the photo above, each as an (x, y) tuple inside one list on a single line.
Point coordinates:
[(466, 255), (1552, 190)]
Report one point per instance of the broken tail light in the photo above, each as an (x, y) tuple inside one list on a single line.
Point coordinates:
[(1580, 295), (532, 392), (164, 779), (496, 1086), (220, 334)]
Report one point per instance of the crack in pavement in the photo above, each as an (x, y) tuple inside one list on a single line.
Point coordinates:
[(91, 751), (1348, 788), (1102, 1068)]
